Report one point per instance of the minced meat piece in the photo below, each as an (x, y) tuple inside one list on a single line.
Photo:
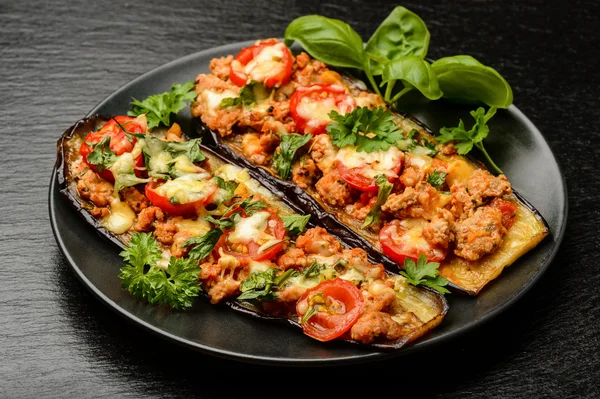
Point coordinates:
[(258, 147), (372, 325), (294, 258), (479, 234), (318, 241), (136, 200), (305, 172), (146, 218), (220, 67), (438, 232), (482, 185), (334, 190), (324, 153), (93, 187)]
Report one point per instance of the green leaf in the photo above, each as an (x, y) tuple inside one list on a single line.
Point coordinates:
[(123, 180), (263, 285), (203, 245), (223, 223), (466, 139), (464, 79), (295, 224), (436, 178), (369, 129), (385, 188), (228, 186), (416, 73), (251, 207), (246, 96), (102, 156), (401, 34), (424, 273), (330, 40), (159, 107), (284, 156), (314, 270), (175, 287)]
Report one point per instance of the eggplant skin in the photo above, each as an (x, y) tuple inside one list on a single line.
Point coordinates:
[(462, 275), (68, 191)]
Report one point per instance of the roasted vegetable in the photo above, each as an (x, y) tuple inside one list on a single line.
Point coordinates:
[(425, 307), (528, 230)]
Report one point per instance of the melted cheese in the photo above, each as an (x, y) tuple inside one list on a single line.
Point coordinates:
[(213, 100), (121, 217), (251, 229), (374, 163), (315, 112), (198, 227), (266, 63), (187, 188)]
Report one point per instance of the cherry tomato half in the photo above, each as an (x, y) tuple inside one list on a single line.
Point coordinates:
[(508, 209), (119, 142), (401, 239), (270, 63), (361, 174), (338, 304), (252, 250), (310, 106), (165, 195)]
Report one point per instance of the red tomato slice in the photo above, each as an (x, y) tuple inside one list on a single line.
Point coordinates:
[(153, 193), (361, 177), (508, 209), (251, 250), (404, 239), (119, 143), (270, 63), (339, 305), (310, 106)]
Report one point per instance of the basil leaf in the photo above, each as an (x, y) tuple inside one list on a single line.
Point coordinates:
[(385, 188), (462, 78), (330, 40), (401, 34), (229, 186), (416, 73), (283, 159)]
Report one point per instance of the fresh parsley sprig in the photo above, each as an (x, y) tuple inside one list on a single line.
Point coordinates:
[(101, 156), (466, 139), (159, 107), (368, 129), (176, 286), (295, 224), (424, 273), (284, 154)]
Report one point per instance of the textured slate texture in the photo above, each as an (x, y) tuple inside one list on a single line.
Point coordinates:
[(59, 58)]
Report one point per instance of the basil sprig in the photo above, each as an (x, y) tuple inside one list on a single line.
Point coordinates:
[(396, 51)]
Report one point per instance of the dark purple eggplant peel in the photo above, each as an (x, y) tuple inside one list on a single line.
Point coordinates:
[(67, 150)]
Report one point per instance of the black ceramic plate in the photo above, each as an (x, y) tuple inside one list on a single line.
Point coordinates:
[(515, 144)]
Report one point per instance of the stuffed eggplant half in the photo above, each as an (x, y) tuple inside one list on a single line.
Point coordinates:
[(190, 224), (340, 152)]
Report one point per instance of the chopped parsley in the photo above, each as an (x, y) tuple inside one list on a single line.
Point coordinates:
[(284, 154), (424, 273), (385, 188)]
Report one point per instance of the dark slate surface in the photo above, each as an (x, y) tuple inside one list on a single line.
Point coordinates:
[(58, 59)]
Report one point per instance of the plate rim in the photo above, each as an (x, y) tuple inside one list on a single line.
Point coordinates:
[(269, 360)]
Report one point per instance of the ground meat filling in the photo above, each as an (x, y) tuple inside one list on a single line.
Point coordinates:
[(372, 325), (92, 187), (258, 147), (438, 232), (136, 200), (479, 234), (317, 241), (146, 218), (305, 172), (483, 185), (334, 190)]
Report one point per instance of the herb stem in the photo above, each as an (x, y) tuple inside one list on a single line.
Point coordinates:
[(487, 156), (388, 90), (400, 94), (372, 80)]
